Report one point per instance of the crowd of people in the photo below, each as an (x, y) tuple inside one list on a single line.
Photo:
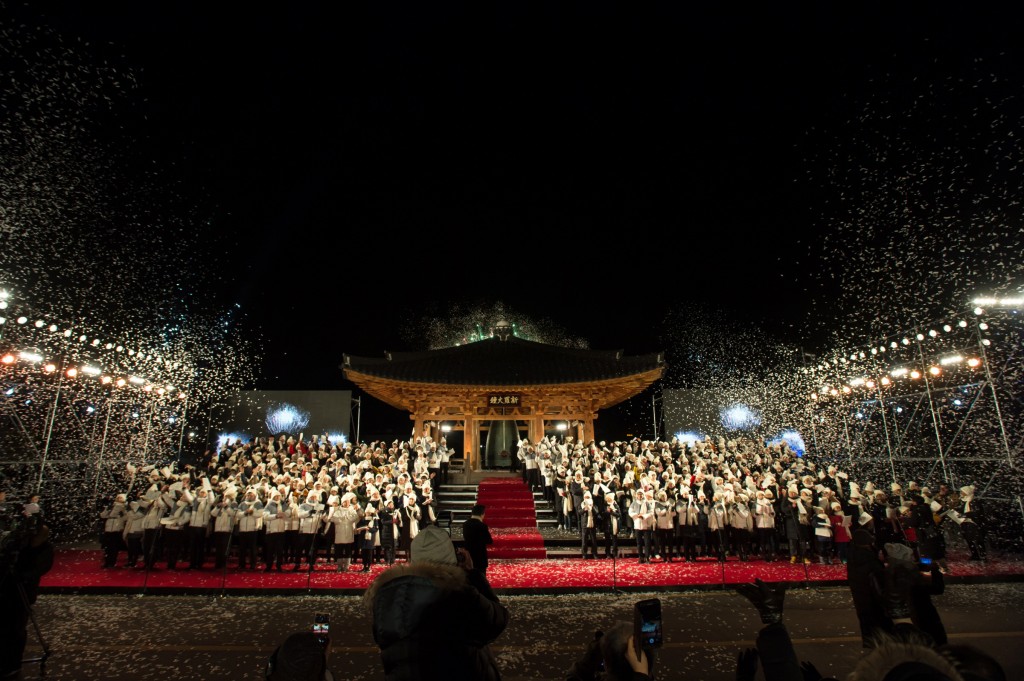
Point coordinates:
[(291, 503), (285, 501), (280, 502), (682, 501)]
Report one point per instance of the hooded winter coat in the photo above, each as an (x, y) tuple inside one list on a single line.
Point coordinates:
[(435, 621)]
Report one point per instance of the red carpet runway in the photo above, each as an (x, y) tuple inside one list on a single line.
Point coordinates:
[(79, 571)]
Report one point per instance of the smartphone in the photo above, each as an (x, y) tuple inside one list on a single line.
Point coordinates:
[(925, 564), (647, 624), (322, 627)]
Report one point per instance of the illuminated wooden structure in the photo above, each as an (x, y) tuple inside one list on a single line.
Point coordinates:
[(543, 388)]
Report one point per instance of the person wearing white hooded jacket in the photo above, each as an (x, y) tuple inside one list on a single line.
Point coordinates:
[(250, 522), (133, 533), (223, 513), (113, 526), (310, 514), (201, 505), (275, 520), (344, 519), (155, 506), (175, 534), (972, 522)]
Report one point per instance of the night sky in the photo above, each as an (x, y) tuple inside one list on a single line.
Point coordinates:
[(358, 177)]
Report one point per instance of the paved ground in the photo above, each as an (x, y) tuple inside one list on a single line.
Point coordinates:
[(156, 638)]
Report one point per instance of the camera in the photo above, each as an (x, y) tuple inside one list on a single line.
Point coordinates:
[(322, 627), (647, 632)]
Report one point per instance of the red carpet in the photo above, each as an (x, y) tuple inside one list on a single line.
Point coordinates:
[(78, 571), (511, 518)]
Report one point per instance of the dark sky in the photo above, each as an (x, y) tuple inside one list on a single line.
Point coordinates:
[(362, 164)]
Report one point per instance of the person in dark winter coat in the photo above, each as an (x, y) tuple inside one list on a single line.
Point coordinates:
[(864, 572), (18, 591), (434, 618), (924, 583), (477, 537)]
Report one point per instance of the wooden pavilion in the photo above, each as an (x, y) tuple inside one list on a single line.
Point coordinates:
[(503, 382)]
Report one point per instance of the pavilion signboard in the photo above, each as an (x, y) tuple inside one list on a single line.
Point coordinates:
[(504, 399)]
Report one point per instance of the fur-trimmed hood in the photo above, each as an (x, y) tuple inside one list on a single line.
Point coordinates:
[(918, 658), (445, 577)]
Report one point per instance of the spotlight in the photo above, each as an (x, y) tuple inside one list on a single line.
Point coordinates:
[(8, 358), (885, 380), (40, 323), (121, 383), (933, 333), (72, 372), (915, 374), (49, 367), (962, 324), (979, 311), (983, 326), (973, 362), (934, 371), (919, 336)]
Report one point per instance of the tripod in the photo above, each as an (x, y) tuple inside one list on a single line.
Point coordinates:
[(18, 613), (41, 659)]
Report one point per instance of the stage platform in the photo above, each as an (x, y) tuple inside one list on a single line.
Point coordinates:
[(79, 571)]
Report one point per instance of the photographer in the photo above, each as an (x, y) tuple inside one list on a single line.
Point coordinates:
[(301, 657), (610, 656), (435, 616), (27, 556)]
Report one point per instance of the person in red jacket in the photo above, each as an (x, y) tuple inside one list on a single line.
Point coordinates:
[(840, 532)]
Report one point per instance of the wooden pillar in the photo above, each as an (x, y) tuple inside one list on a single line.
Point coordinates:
[(470, 441)]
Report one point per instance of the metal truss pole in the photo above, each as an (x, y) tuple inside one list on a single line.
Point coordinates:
[(49, 432), (103, 447), (995, 398), (936, 419)]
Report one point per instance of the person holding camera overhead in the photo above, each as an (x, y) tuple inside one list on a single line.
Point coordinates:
[(611, 656)]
